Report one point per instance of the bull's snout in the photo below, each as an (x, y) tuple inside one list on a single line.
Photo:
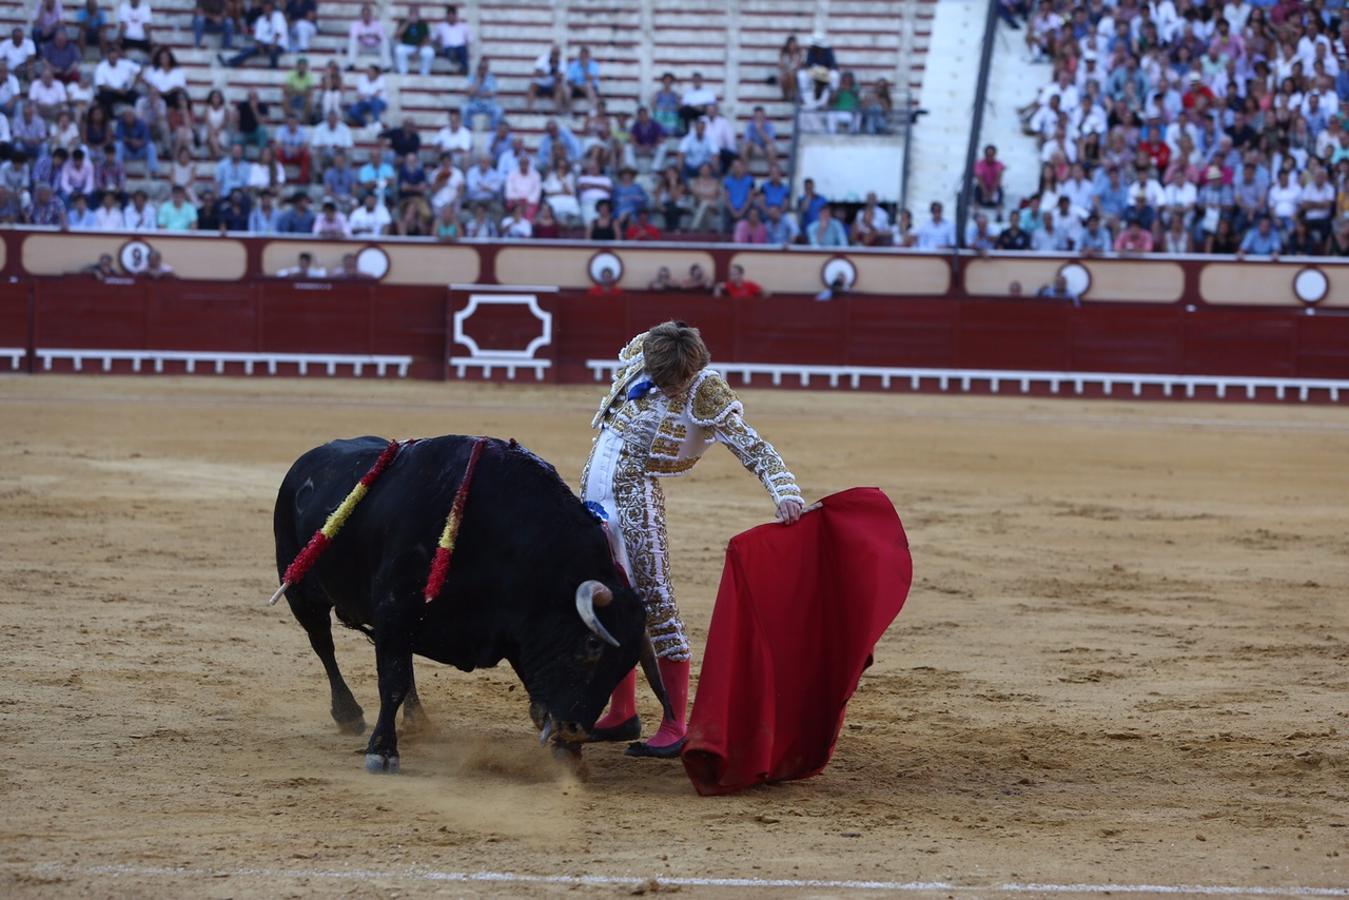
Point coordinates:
[(551, 729)]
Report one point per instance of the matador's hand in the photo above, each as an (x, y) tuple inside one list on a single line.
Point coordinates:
[(789, 511)]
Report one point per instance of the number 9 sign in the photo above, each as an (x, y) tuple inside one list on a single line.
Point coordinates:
[(135, 256)]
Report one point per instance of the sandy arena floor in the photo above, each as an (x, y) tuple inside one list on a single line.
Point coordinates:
[(1125, 657)]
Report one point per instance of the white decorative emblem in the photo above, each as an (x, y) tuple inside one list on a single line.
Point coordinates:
[(135, 256), (488, 358), (1077, 277), (1311, 285), (373, 261), (836, 267), (601, 261)]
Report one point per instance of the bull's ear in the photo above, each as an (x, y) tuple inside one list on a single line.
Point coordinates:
[(589, 595)]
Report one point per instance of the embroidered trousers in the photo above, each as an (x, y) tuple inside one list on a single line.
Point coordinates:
[(634, 506)]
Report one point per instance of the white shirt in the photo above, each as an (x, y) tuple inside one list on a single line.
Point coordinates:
[(544, 65), (4, 129), (272, 30), (721, 133), (934, 235), (1184, 194), (173, 79), (109, 219), (448, 140), (257, 176), (1283, 201), (365, 221), (516, 228), (367, 87), (323, 136), (115, 77), (297, 272), (145, 220), (449, 191), (17, 55), (457, 35), (698, 96), (367, 34), (1312, 193), (44, 95), (135, 18)]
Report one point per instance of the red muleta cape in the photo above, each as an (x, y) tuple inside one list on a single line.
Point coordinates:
[(798, 613)]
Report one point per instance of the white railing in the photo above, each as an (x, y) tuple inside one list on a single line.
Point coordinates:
[(965, 379), (220, 359)]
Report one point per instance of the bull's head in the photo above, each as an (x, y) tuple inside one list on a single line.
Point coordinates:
[(578, 662)]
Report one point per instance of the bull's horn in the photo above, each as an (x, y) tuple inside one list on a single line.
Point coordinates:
[(588, 596), (652, 672)]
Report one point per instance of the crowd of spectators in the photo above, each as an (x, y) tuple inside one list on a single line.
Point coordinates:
[(91, 100), (1179, 126)]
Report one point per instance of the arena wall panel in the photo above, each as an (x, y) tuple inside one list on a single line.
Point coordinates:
[(913, 321)]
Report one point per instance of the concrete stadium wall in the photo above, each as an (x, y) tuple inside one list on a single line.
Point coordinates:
[(444, 311)]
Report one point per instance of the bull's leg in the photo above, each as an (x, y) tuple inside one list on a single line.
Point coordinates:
[(315, 616), (393, 659), (415, 719)]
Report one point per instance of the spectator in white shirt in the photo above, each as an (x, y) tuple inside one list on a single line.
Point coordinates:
[(367, 37), (140, 214), (18, 51), (452, 38), (454, 138), (516, 224), (370, 218), (271, 36), (108, 217), (937, 233), (305, 268), (133, 25), (524, 185), (9, 89), (114, 78), (1317, 202), (694, 102), (1046, 239), (331, 223), (722, 133), (447, 185), (47, 94), (329, 137), (1284, 198), (547, 80), (371, 97)]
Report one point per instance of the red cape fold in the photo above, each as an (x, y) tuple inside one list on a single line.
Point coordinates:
[(798, 613)]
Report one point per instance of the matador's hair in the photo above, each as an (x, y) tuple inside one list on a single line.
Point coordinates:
[(673, 353)]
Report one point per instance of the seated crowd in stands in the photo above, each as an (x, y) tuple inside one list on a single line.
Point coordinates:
[(100, 130), (1180, 126), (69, 137)]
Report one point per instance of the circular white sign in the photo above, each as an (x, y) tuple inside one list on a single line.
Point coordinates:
[(839, 267), (373, 261), (601, 261), (135, 256), (1077, 277), (1311, 285)]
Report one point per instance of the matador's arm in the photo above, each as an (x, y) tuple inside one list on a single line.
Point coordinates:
[(715, 406)]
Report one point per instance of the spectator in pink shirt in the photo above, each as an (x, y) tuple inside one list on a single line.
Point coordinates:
[(1134, 239), (751, 229), (988, 179), (525, 185), (367, 37)]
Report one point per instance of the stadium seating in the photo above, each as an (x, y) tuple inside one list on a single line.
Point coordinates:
[(734, 46)]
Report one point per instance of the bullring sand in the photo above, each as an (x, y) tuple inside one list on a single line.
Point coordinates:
[(1125, 657)]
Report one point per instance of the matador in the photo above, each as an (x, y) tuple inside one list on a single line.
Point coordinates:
[(664, 409)]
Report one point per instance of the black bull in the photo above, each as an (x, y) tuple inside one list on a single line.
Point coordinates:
[(531, 565)]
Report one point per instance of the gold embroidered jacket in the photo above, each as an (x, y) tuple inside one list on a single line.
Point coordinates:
[(672, 434)]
